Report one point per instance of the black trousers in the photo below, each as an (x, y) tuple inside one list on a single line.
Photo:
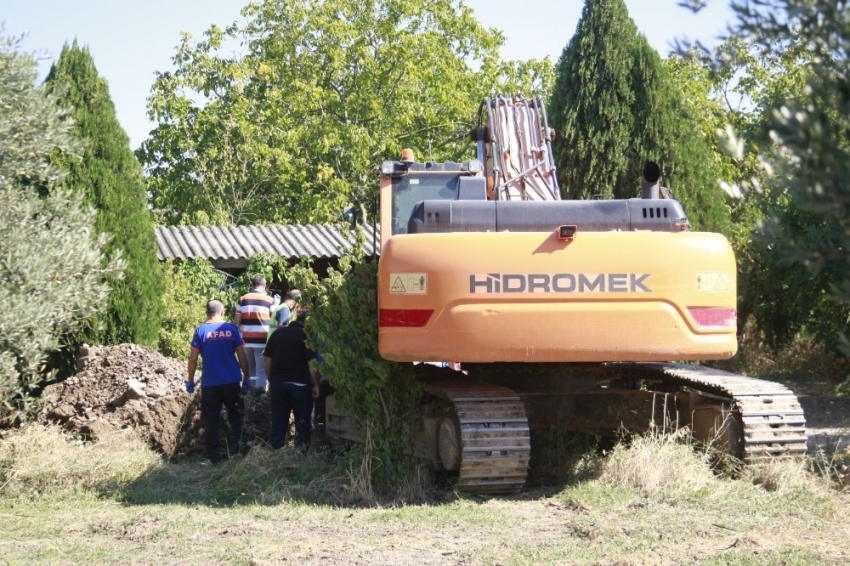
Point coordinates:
[(286, 398), (212, 399)]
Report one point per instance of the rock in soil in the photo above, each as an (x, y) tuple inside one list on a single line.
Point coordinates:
[(132, 386)]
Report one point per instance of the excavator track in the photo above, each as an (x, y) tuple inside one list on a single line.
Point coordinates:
[(765, 419), (487, 440), (476, 422)]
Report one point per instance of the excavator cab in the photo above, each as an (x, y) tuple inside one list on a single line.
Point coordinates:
[(406, 183)]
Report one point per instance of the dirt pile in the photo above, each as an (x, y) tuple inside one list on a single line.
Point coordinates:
[(132, 386)]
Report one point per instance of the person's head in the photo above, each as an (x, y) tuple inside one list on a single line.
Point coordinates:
[(214, 308), (258, 282), (302, 316), (293, 297)]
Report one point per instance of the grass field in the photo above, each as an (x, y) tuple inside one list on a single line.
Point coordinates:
[(656, 502)]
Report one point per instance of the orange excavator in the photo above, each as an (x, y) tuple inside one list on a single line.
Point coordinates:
[(561, 314)]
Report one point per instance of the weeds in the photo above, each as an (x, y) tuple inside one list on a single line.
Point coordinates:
[(804, 362), (658, 463), (831, 465), (652, 500), (41, 459), (784, 477)]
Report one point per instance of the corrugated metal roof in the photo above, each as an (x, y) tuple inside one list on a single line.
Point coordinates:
[(241, 242)]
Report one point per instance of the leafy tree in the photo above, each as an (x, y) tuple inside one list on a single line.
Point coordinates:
[(292, 129), (110, 179), (737, 95), (52, 268), (807, 148), (789, 58), (615, 106)]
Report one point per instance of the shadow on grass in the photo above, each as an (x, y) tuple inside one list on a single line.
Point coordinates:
[(263, 477), (271, 477)]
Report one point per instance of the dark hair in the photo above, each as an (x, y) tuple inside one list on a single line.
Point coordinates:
[(258, 281), (214, 308), (302, 316)]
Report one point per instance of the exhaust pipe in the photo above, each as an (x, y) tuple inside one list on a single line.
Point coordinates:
[(650, 185)]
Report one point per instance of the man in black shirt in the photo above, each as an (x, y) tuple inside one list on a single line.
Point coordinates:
[(293, 384)]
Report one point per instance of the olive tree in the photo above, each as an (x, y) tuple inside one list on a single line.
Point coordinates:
[(51, 266)]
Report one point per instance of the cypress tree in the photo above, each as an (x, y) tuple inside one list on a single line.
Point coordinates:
[(110, 179), (614, 107)]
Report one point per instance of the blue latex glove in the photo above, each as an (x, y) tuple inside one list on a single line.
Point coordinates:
[(190, 387), (246, 386)]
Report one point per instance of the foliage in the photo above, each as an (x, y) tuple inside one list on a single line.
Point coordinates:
[(615, 106), (343, 326), (52, 268), (292, 128), (748, 79), (110, 179), (189, 284), (381, 395), (795, 70)]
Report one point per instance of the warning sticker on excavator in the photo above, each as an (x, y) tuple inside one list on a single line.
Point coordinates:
[(408, 283), (711, 281)]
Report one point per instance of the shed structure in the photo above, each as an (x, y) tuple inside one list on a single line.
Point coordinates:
[(229, 247)]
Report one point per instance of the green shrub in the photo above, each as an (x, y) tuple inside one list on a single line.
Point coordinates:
[(381, 395), (53, 274), (189, 284)]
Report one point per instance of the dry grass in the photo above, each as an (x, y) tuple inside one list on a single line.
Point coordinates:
[(42, 459), (787, 477), (659, 463), (38, 460), (416, 487), (651, 501), (669, 463)]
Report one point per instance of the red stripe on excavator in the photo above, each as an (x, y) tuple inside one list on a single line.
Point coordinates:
[(714, 316), (411, 318)]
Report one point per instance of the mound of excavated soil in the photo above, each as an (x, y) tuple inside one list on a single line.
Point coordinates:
[(132, 386)]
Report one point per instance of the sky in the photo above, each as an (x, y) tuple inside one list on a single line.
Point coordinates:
[(131, 40)]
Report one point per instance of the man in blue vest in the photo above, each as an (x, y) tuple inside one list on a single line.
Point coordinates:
[(221, 348)]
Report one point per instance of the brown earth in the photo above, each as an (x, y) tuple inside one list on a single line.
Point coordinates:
[(132, 386)]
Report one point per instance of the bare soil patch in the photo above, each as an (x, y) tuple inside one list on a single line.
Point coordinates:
[(132, 386)]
